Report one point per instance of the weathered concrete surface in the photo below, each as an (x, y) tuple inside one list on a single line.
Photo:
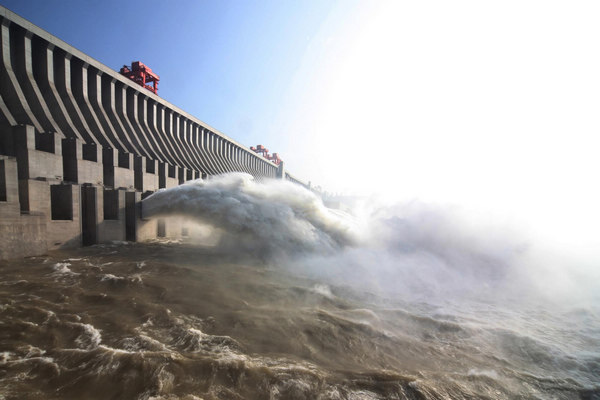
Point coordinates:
[(21, 235)]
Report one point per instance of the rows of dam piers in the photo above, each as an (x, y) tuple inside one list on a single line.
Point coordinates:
[(81, 146)]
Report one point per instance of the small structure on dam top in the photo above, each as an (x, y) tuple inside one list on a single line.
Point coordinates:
[(260, 149), (81, 145), (142, 75)]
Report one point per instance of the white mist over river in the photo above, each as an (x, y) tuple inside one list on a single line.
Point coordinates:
[(407, 249), (298, 301)]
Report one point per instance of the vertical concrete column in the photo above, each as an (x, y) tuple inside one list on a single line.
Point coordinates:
[(109, 162), (162, 175), (71, 154), (132, 215), (181, 171), (58, 137), (89, 215), (280, 171), (139, 168), (24, 142)]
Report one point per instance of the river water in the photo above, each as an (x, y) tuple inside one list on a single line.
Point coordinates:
[(187, 320)]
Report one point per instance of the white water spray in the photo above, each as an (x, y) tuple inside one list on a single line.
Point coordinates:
[(405, 250), (274, 216)]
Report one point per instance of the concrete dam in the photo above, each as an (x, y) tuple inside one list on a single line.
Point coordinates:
[(81, 145)]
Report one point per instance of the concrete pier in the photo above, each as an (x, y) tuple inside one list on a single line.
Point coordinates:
[(80, 145)]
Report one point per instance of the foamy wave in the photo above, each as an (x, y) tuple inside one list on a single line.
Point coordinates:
[(62, 268), (90, 338), (144, 343), (33, 356), (111, 278), (195, 340)]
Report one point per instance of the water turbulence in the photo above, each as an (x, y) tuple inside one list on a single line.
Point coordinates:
[(298, 301)]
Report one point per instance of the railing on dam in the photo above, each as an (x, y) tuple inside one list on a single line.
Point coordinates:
[(48, 84)]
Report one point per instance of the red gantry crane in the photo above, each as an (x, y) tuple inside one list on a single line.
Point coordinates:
[(274, 158), (142, 75), (260, 149)]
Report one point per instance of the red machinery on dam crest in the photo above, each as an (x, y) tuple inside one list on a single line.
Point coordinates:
[(142, 75), (260, 149)]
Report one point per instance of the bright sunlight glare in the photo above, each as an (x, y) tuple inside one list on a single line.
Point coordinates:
[(492, 105)]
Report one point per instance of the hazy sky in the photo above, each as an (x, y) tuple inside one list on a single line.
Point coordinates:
[(491, 104)]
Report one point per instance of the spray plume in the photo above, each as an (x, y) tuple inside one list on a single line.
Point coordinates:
[(275, 216), (412, 249)]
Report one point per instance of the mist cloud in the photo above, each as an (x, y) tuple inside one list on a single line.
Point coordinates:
[(405, 250)]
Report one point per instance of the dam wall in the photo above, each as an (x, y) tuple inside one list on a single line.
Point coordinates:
[(82, 145)]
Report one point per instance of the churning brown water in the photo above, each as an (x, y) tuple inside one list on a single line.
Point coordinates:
[(176, 321), (296, 301)]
